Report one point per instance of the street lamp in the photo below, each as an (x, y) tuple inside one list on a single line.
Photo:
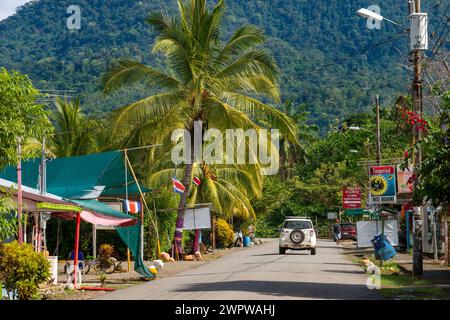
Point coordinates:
[(365, 13), (355, 128)]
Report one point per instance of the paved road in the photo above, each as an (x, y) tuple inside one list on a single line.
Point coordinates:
[(260, 273)]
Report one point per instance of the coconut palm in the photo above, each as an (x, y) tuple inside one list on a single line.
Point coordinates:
[(218, 83), (74, 134)]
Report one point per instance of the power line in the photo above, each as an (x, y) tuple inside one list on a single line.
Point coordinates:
[(339, 61), (436, 48)]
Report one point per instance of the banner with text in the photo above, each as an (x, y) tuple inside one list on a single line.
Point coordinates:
[(351, 197), (382, 184)]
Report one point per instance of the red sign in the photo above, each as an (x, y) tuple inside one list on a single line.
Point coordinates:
[(377, 170), (351, 198)]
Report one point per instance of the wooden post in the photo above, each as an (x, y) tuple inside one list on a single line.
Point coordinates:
[(128, 260), (77, 240), (446, 234), (94, 241)]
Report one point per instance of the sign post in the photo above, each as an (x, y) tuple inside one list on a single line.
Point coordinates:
[(331, 216)]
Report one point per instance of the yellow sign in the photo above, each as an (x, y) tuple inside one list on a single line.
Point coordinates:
[(378, 185)]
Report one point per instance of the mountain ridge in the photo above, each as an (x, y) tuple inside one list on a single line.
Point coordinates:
[(302, 36)]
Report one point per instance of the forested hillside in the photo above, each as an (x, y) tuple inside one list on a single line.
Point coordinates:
[(317, 45)]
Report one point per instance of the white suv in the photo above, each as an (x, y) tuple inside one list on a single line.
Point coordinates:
[(297, 234)]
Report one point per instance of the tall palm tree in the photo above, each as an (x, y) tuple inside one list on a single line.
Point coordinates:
[(210, 81), (74, 134)]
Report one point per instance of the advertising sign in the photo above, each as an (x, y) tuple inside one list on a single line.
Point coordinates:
[(351, 198), (404, 180), (198, 218), (331, 215), (367, 230), (382, 184)]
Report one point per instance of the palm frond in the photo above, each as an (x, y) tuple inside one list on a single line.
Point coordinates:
[(255, 63), (259, 110), (159, 21), (222, 116), (174, 44), (147, 108), (128, 72), (255, 85)]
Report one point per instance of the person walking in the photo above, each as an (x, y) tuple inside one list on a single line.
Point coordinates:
[(337, 231)]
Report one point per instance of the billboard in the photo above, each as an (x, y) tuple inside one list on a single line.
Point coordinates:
[(404, 179), (367, 230), (382, 184), (197, 218), (351, 197)]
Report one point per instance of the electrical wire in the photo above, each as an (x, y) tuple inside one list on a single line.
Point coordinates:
[(339, 61)]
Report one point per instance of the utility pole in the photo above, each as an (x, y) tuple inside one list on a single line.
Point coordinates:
[(19, 190), (419, 214), (377, 103)]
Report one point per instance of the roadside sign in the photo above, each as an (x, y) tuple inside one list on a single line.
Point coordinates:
[(331, 215), (382, 184), (351, 198), (404, 179)]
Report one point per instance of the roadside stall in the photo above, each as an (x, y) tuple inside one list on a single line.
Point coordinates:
[(79, 183)]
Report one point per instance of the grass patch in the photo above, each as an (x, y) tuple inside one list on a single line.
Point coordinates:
[(415, 293), (398, 285), (401, 280)]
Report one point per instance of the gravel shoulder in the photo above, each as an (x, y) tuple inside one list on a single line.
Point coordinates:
[(121, 280)]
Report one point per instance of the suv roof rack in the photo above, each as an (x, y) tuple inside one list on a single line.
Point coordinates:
[(295, 217)]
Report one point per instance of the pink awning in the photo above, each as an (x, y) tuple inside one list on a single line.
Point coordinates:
[(96, 218)]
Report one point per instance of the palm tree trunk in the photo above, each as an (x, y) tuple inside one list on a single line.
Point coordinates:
[(187, 184), (196, 246)]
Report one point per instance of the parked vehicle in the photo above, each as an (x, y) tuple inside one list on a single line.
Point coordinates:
[(348, 230), (297, 234)]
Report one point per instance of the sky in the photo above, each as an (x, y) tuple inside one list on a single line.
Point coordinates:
[(8, 7)]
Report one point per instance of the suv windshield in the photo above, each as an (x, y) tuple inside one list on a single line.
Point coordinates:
[(296, 224)]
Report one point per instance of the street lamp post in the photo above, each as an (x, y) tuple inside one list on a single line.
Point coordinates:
[(418, 41), (377, 103)]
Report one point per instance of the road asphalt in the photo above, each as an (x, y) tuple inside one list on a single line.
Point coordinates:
[(259, 272)]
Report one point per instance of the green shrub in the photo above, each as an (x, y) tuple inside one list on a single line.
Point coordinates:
[(104, 255), (22, 270), (224, 233)]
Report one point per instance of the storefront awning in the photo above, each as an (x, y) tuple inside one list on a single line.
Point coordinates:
[(97, 212)]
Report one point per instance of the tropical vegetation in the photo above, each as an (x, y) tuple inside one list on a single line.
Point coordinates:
[(211, 82), (211, 65)]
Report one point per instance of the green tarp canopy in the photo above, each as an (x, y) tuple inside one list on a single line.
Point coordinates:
[(131, 236), (102, 208), (356, 212), (132, 189), (82, 177)]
